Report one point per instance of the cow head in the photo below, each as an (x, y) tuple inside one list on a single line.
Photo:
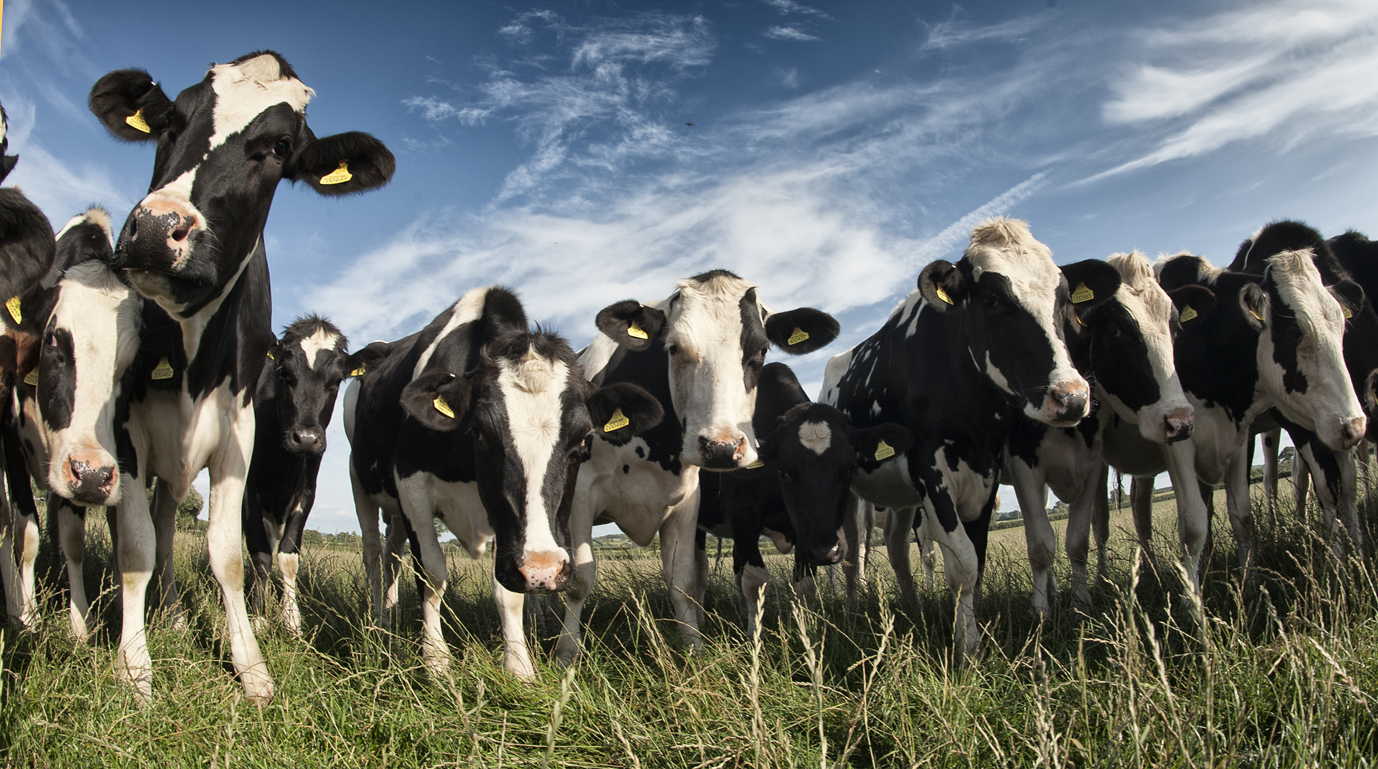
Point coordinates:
[(716, 332), (223, 146), (1012, 299), (309, 362), (1129, 338), (6, 161), (89, 343), (1359, 257), (531, 417)]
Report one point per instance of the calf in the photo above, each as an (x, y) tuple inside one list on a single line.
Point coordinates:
[(699, 353), (292, 407), (975, 344), (1246, 344), (809, 453), (480, 421), (1124, 347), (194, 247)]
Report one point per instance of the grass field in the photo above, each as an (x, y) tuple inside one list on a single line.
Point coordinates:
[(1282, 674)]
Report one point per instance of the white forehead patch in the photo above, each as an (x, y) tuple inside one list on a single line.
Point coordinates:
[(1302, 290), (245, 90), (816, 436), (532, 394), (1007, 247), (321, 340)]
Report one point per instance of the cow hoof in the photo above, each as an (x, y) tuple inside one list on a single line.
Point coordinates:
[(258, 689)]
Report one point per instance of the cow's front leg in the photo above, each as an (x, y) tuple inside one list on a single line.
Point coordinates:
[(749, 569), (962, 567), (224, 541), (515, 655), (1039, 538), (899, 526), (165, 527), (289, 562), (1193, 518), (367, 513), (135, 553), (9, 574), (678, 560), (585, 572), (71, 534), (856, 528), (1241, 511), (1081, 515)]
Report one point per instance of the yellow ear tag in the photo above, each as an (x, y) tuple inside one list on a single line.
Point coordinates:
[(617, 422), (163, 370), (635, 330), (942, 294), (137, 122), (339, 175), (1082, 294), (1254, 313), (755, 465), (884, 451), (798, 336), (357, 372), (1348, 313), (443, 407), (1187, 313), (13, 306), (32, 378)]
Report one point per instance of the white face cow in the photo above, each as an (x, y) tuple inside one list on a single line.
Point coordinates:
[(715, 334)]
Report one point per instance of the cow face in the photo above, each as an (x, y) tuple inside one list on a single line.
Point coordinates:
[(531, 417), (223, 146), (716, 333), (816, 452), (309, 363), (1300, 355), (1012, 299), (89, 344), (1130, 340)]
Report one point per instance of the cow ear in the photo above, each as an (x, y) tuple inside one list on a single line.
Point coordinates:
[(631, 324), (438, 400), (896, 439), (7, 164), (356, 363), (343, 164), (130, 105), (943, 286), (1193, 302), (1254, 301), (623, 411), (801, 331), (1350, 296), (1090, 282)]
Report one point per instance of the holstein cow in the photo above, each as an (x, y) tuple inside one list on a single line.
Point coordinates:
[(974, 344), (808, 453), (699, 352), (194, 247), (1124, 347), (1335, 473), (480, 421), (293, 404), (86, 237), (1250, 344)]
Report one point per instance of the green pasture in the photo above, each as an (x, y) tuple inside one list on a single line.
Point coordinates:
[(1284, 673)]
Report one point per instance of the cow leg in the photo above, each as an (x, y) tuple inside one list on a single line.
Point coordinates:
[(394, 546), (258, 539), (1271, 440), (1192, 516), (1301, 481), (962, 568), (1032, 493), (9, 575), (749, 568), (289, 560), (224, 541), (367, 513), (418, 513), (1241, 511), (71, 534), (1100, 519), (928, 557), (1335, 490), (516, 658), (805, 589), (165, 527), (135, 553), (899, 523), (700, 572), (1081, 512), (678, 560), (856, 527), (1141, 508), (24, 536)]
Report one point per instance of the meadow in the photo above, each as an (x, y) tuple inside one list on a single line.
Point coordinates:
[(1284, 673)]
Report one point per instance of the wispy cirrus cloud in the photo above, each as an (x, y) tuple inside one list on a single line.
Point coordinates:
[(786, 7), (959, 32), (793, 34), (1286, 72)]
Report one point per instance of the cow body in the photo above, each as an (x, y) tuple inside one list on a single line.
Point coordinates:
[(194, 248), (699, 353), (482, 423), (974, 344)]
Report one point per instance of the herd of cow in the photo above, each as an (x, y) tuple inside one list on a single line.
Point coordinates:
[(150, 355)]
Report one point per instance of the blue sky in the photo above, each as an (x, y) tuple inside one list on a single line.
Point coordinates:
[(835, 148)]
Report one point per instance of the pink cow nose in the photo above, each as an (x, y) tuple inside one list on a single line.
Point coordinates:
[(1068, 401), (160, 231), (1351, 431), (1177, 425), (546, 572)]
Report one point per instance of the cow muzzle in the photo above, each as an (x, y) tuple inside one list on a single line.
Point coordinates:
[(89, 477), (1066, 403), (722, 454), (826, 554), (159, 235), (1178, 424), (1350, 433), (307, 440), (546, 572)]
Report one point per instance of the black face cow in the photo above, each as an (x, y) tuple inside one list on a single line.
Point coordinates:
[(292, 408), (700, 353), (480, 421), (809, 453), (194, 246), (974, 344)]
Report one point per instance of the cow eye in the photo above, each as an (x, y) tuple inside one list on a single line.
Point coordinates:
[(990, 300), (763, 351), (283, 148), (673, 349)]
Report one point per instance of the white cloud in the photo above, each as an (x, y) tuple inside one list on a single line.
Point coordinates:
[(961, 32), (793, 34), (787, 7)]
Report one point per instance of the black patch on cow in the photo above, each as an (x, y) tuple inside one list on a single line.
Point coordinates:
[(754, 341), (27, 249), (57, 378)]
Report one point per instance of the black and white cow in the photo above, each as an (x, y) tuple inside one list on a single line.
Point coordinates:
[(1336, 473), (809, 453), (194, 247), (85, 237), (699, 352), (485, 424), (976, 343), (26, 237), (1124, 347), (292, 408), (1247, 343)]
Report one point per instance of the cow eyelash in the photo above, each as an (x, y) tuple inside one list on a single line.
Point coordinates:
[(283, 148)]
